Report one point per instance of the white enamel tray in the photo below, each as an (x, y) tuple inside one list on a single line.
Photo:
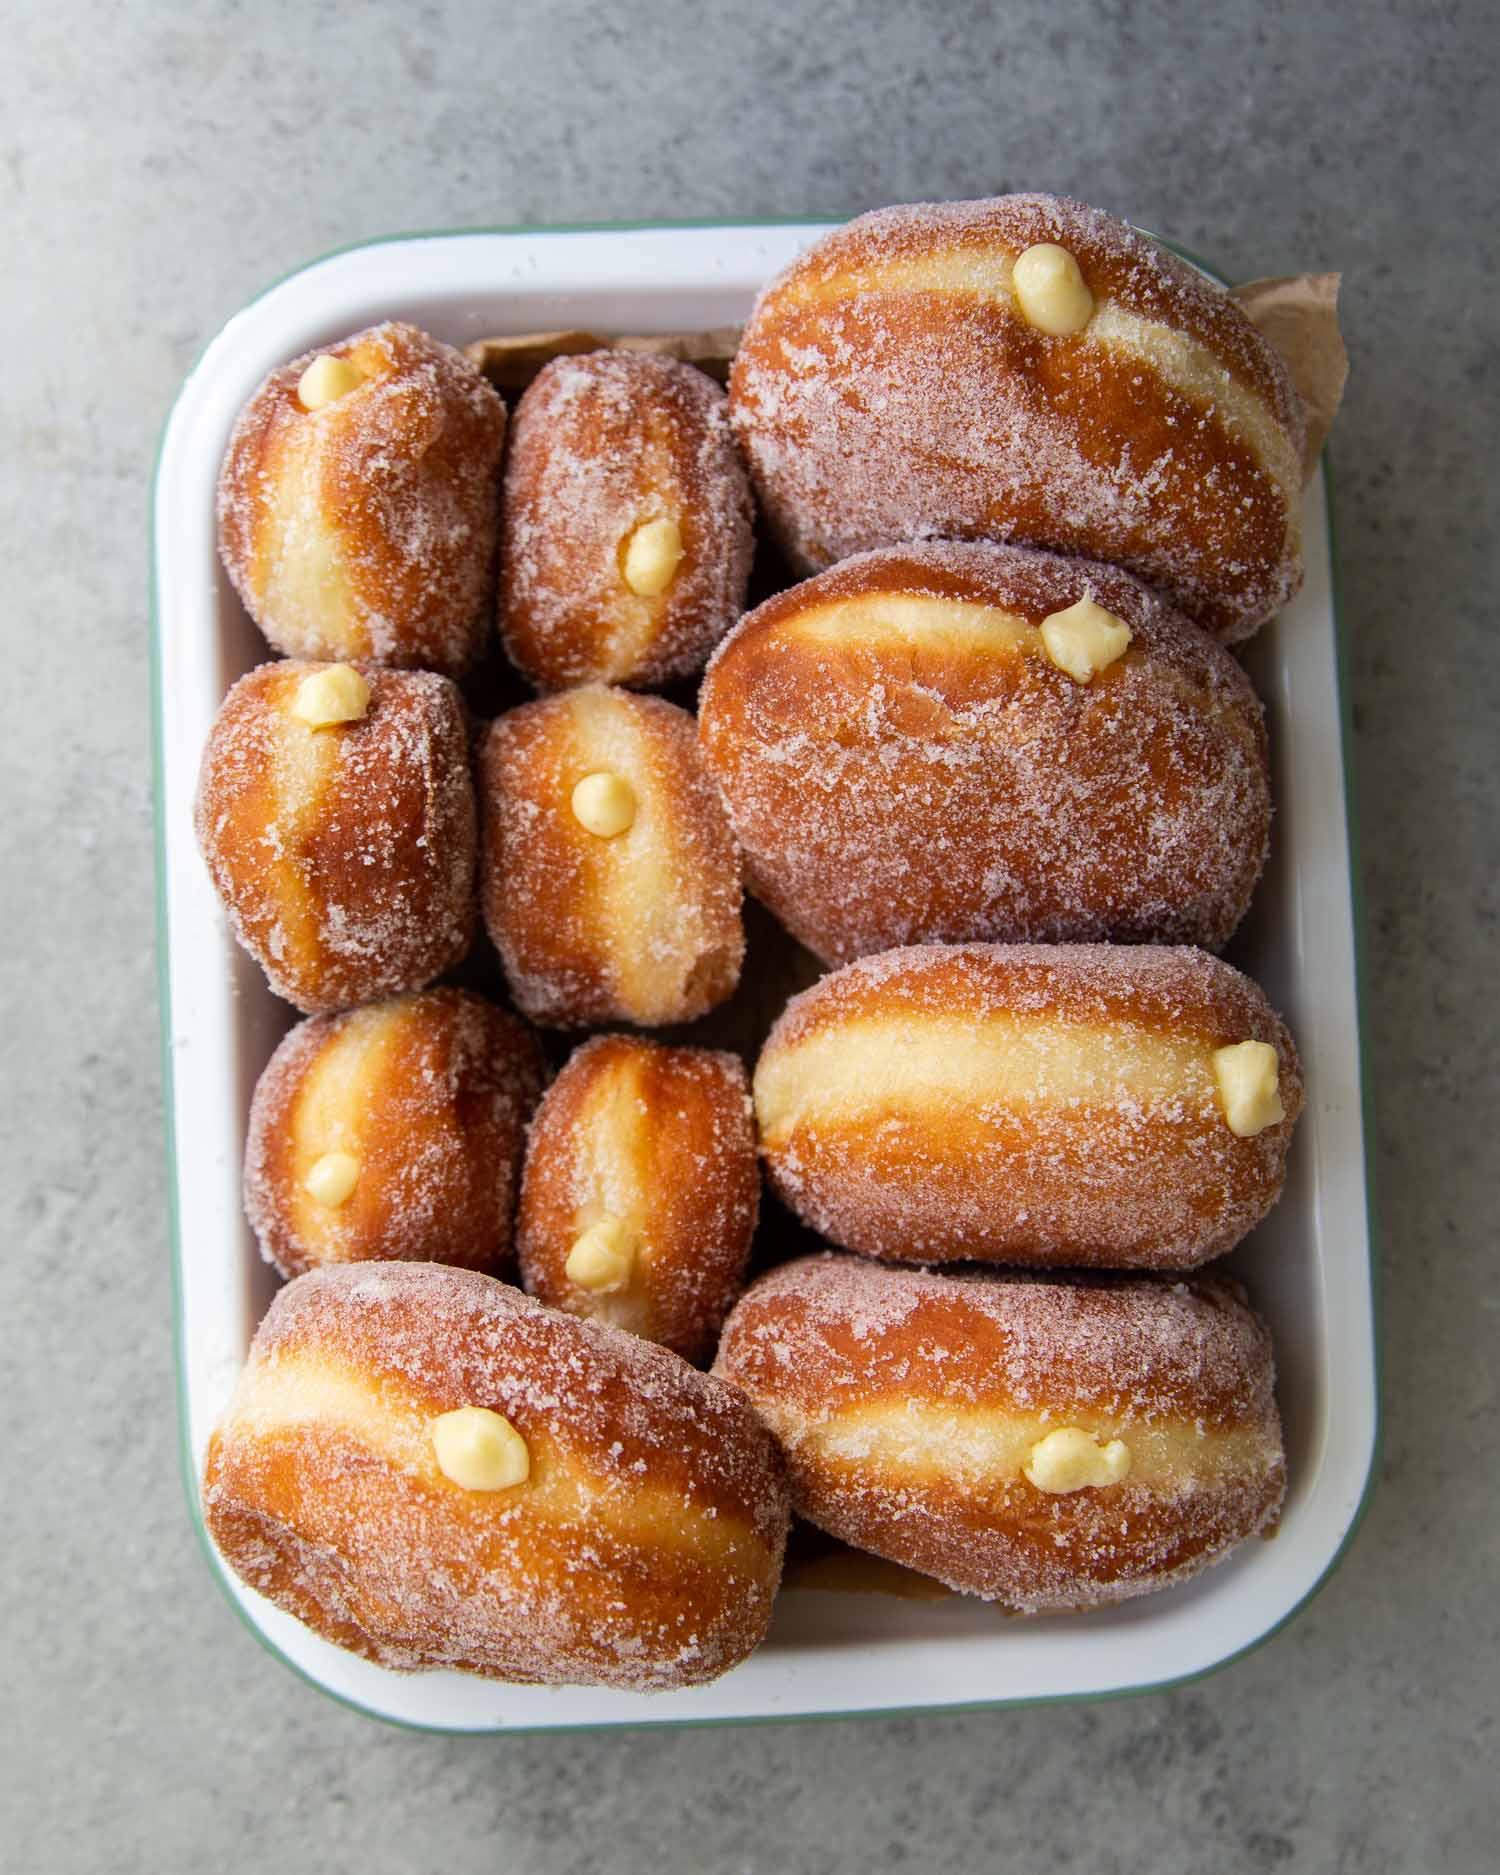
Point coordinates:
[(1309, 1268)]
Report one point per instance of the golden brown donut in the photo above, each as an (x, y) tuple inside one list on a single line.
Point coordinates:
[(364, 527), (432, 1470), (895, 383), (904, 759), (609, 878), (336, 814), (395, 1131), (641, 1190), (1089, 1105), (625, 531), (1048, 1444)]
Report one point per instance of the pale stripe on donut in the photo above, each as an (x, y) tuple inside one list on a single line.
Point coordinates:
[(917, 1063), (328, 1112), (608, 1141), (301, 576), (635, 619), (302, 766), (980, 1448), (962, 627), (303, 1389), (1194, 373), (649, 910), (958, 626), (1185, 366)]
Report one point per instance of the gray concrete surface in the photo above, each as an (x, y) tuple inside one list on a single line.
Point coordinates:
[(161, 163)]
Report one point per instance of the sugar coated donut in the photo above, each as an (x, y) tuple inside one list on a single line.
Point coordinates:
[(626, 523), (961, 740), (430, 1469), (609, 878), (336, 814), (1048, 1444), (393, 1130), (641, 1190), (1024, 369), (358, 502), (1087, 1105)]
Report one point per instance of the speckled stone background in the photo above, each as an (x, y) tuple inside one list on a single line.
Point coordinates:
[(163, 162)]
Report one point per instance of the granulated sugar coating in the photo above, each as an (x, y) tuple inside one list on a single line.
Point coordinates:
[(639, 926), (888, 388), (344, 856), (1028, 1104), (908, 759), (642, 1551), (910, 1406), (903, 762), (428, 1096), (603, 444), (661, 1143), (366, 529)]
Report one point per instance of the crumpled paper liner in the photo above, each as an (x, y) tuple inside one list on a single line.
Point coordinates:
[(511, 363), (1298, 313)]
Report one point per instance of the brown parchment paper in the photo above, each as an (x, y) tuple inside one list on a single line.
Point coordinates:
[(1298, 314), (511, 363)]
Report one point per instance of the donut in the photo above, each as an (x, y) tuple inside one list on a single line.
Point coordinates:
[(1046, 1443), (625, 529), (432, 1470), (641, 1190), (960, 740), (609, 878), (1086, 1105), (1024, 369), (335, 812), (394, 1130), (358, 502)]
